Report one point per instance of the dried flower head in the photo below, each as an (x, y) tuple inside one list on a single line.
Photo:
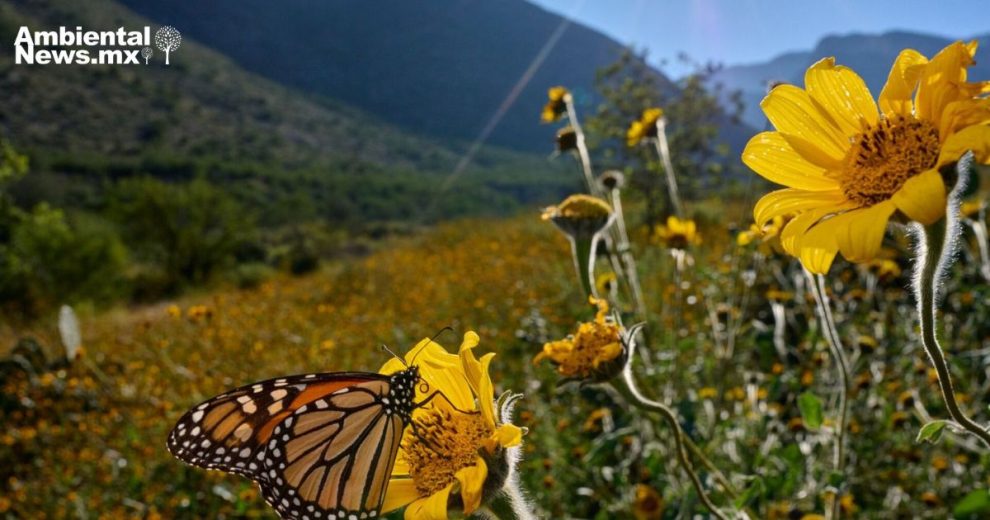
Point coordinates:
[(597, 351), (580, 215)]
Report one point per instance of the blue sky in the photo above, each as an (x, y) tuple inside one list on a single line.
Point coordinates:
[(745, 31)]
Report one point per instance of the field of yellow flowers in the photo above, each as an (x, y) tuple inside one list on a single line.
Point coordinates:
[(86, 439)]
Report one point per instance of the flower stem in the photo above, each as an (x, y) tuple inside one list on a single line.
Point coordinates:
[(626, 385), (835, 347), (629, 262), (663, 150), (584, 251), (582, 147), (938, 242), (510, 504), (623, 263)]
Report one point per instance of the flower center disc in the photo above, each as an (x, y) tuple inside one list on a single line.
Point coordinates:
[(448, 442), (884, 157)]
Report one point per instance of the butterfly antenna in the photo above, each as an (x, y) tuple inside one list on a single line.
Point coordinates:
[(396, 356), (433, 339)]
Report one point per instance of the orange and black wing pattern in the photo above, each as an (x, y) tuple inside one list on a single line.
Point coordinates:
[(317, 444)]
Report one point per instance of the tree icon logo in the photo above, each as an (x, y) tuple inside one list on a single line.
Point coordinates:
[(147, 53), (168, 39)]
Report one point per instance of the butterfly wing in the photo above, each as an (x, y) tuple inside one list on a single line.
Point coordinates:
[(334, 455), (230, 431)]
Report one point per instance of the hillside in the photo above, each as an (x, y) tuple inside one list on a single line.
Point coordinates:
[(869, 54), (438, 67), (205, 116)]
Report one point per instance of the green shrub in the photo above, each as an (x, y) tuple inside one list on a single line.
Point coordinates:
[(189, 231)]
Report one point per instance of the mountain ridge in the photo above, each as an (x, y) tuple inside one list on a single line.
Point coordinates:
[(869, 54)]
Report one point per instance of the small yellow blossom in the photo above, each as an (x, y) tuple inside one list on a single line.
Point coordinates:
[(556, 105), (677, 233), (647, 504), (645, 127)]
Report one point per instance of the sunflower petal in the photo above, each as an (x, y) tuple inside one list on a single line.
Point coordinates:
[(400, 491), (791, 201), (975, 139), (944, 81), (433, 507), (861, 237), (443, 372), (922, 197), (817, 260), (472, 479), (895, 98), (508, 435), (771, 156), (843, 94), (791, 235), (962, 114), (801, 121)]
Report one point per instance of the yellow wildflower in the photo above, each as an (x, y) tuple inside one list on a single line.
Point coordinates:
[(459, 439), (850, 163), (556, 105), (648, 504), (645, 127), (677, 233)]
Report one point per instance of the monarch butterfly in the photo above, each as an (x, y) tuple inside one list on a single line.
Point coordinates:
[(318, 445)]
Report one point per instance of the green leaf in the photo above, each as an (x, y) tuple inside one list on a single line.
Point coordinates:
[(811, 410), (976, 502), (931, 432), (755, 489), (836, 479)]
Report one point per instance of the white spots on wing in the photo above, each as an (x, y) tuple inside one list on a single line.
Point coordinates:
[(244, 453), (257, 388), (279, 394), (321, 404), (195, 431), (205, 443), (197, 415)]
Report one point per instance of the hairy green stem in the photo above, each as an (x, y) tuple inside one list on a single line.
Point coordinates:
[(936, 247), (663, 150), (831, 334), (582, 147), (509, 504), (626, 385), (584, 252), (616, 241)]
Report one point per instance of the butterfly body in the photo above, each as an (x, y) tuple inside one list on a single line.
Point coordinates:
[(319, 445)]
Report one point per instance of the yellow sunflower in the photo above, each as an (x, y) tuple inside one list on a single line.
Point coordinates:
[(556, 105), (645, 127), (677, 233), (849, 165), (460, 441)]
